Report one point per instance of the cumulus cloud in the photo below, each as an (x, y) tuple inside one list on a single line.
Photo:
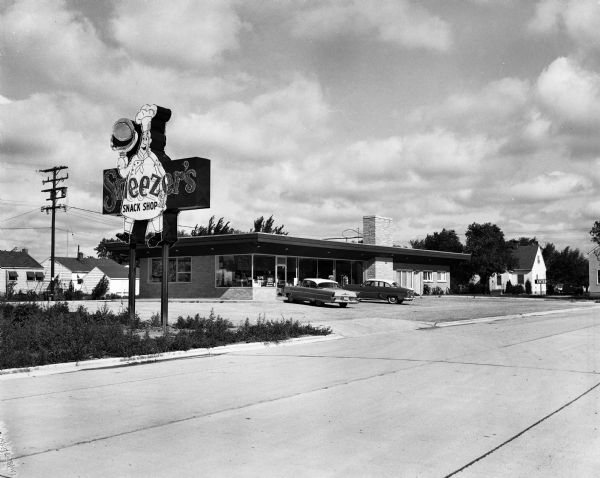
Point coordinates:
[(491, 108), (578, 18), (398, 22), (68, 55), (270, 125), (181, 32), (570, 93), (551, 186)]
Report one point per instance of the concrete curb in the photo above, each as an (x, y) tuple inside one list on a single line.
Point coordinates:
[(113, 362), (483, 320)]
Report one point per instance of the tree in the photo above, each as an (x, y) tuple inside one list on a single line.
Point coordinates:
[(262, 225), (569, 266), (523, 241), (595, 232), (100, 289), (214, 228), (490, 253), (446, 240)]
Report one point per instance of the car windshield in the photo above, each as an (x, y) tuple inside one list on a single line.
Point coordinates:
[(328, 285)]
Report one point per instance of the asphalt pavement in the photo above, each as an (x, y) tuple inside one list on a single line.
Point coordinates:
[(515, 395)]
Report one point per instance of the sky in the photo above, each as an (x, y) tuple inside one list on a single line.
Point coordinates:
[(435, 113)]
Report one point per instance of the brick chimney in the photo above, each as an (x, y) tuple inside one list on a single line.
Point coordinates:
[(377, 231)]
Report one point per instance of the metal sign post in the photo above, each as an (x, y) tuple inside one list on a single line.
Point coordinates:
[(149, 189)]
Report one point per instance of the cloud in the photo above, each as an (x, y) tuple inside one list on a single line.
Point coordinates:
[(68, 55), (579, 19), (570, 93), (269, 126), (552, 186), (183, 33), (399, 22), (491, 109)]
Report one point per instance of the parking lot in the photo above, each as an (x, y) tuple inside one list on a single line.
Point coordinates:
[(365, 317)]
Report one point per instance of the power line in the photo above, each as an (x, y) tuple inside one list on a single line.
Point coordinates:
[(19, 215)]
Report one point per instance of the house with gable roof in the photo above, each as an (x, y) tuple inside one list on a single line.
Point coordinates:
[(86, 272), (594, 271), (21, 272), (529, 266)]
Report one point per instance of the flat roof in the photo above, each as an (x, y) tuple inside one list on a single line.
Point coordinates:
[(276, 244)]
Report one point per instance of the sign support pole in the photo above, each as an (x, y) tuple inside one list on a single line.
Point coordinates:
[(164, 292), (131, 298)]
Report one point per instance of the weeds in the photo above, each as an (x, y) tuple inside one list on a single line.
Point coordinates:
[(31, 335)]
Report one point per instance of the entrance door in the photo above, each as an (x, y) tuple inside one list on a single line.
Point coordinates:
[(281, 272)]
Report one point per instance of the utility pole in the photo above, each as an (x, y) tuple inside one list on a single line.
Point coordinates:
[(62, 190)]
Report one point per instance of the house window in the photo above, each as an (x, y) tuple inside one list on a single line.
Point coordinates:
[(39, 276), (441, 276), (598, 276), (406, 278), (499, 280), (30, 275), (180, 269), (427, 276), (12, 275), (520, 279)]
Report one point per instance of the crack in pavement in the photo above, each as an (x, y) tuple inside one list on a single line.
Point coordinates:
[(522, 432), (214, 413)]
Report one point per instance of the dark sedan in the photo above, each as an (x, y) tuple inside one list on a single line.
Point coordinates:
[(382, 289)]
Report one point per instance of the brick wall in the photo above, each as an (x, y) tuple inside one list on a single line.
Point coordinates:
[(377, 231), (201, 286), (379, 268)]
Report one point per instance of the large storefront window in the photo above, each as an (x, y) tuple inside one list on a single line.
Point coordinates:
[(307, 268), (234, 271), (291, 264), (270, 271), (343, 272), (180, 269), (325, 269), (264, 271)]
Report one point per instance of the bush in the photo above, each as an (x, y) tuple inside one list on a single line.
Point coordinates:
[(528, 287), (100, 289), (509, 287), (518, 289), (31, 335), (426, 289)]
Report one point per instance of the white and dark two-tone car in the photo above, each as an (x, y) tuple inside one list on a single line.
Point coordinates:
[(319, 292), (382, 289)]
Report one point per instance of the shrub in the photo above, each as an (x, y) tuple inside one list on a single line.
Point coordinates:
[(100, 289), (528, 287), (509, 287), (31, 335), (426, 289), (518, 289)]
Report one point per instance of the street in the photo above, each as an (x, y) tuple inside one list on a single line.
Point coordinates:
[(399, 398)]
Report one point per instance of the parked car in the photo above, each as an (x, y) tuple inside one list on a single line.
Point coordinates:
[(382, 289), (319, 292)]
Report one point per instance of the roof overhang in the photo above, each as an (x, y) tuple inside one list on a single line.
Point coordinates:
[(274, 244)]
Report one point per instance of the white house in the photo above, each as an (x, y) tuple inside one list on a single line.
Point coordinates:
[(529, 266), (86, 272), (594, 271), (21, 272), (117, 275)]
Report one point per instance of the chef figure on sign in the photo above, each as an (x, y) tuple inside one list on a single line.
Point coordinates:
[(144, 196)]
